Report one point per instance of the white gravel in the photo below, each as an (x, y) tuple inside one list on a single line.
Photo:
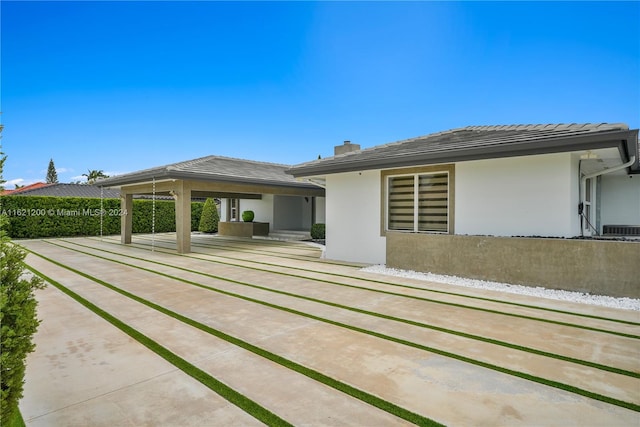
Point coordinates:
[(579, 297)]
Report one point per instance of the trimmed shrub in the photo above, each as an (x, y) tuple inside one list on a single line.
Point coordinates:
[(318, 231), (38, 217), (210, 217), (18, 320), (247, 216), (196, 214)]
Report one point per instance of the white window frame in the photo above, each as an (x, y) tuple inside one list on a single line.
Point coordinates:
[(589, 207), (233, 209), (416, 201)]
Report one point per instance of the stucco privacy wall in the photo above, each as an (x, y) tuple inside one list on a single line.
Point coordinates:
[(597, 267), (620, 200), (353, 217), (518, 196)]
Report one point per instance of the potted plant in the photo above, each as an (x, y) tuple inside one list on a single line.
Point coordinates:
[(247, 216)]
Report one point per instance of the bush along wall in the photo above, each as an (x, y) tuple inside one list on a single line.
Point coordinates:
[(318, 231), (38, 217), (209, 218), (18, 323)]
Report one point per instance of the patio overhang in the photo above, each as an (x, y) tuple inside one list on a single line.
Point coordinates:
[(211, 176)]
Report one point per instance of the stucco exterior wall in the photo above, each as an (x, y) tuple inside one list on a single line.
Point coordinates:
[(519, 196), (597, 267), (321, 210), (620, 200), (353, 217), (291, 213), (262, 208)]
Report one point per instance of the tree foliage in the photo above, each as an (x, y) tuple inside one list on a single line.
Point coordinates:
[(18, 322), (94, 175), (210, 217), (2, 160), (52, 175)]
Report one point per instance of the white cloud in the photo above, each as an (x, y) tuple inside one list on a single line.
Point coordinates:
[(11, 183), (63, 170), (114, 173)]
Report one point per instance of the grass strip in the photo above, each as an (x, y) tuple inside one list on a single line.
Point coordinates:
[(313, 374), (430, 300), (353, 309), (523, 375), (249, 406), (383, 282)]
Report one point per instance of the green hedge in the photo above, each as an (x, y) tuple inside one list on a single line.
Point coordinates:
[(37, 217), (318, 231), (18, 323)]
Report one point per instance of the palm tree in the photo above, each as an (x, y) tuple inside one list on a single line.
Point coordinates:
[(94, 175)]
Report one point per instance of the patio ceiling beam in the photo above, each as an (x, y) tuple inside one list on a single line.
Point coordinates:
[(224, 195), (244, 188)]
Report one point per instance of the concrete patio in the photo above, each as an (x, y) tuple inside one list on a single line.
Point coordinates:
[(455, 356)]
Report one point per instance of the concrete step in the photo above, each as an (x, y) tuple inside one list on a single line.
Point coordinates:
[(294, 235)]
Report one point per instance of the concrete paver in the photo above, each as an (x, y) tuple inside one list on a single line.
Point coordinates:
[(447, 390), (86, 372)]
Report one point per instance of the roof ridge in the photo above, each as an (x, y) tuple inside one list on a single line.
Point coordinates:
[(542, 126), (213, 156)]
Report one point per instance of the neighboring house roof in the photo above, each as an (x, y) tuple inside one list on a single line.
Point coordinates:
[(214, 169), (74, 190), (69, 190), (480, 142), (25, 188)]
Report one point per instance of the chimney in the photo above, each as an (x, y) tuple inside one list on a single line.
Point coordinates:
[(347, 147)]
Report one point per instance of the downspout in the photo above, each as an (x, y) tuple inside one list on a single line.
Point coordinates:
[(583, 181)]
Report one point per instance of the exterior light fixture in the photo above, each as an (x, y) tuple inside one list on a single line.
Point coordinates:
[(589, 155)]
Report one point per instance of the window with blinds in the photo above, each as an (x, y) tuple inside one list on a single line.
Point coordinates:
[(418, 202), (401, 203)]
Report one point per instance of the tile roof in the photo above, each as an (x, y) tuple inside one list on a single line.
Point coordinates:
[(74, 190), (213, 168), (478, 142), (68, 190), (25, 188)]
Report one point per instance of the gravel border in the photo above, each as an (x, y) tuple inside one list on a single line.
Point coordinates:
[(579, 297)]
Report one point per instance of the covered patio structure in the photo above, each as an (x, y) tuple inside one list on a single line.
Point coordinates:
[(211, 176)]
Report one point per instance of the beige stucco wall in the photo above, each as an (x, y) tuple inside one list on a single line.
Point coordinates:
[(243, 229), (597, 267)]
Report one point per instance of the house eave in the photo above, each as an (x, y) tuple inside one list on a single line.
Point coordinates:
[(625, 141), (160, 175)]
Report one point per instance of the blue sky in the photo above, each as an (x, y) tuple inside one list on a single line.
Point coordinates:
[(123, 86)]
